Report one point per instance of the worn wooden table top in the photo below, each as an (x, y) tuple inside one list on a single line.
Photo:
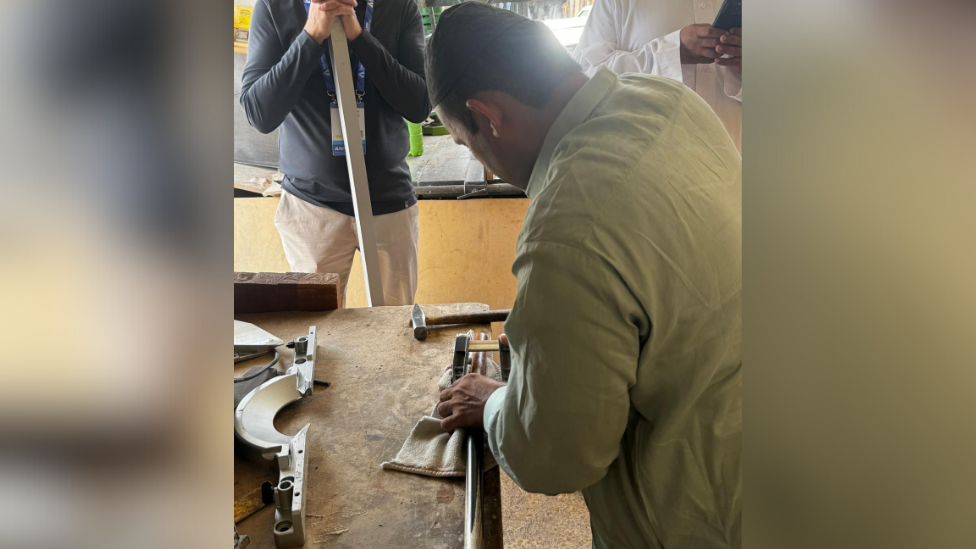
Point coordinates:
[(383, 381)]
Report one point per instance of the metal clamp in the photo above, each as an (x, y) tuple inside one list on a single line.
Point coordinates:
[(460, 361), (254, 426), (475, 447), (505, 357)]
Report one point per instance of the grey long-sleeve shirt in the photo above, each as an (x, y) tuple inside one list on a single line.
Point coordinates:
[(282, 86)]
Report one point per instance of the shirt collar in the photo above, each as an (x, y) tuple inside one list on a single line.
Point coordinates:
[(574, 114)]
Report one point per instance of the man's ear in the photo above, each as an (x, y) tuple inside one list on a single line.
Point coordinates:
[(492, 115)]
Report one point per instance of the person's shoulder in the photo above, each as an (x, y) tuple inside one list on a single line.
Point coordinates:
[(649, 80), (657, 97), (652, 95), (621, 130), (646, 117), (572, 198)]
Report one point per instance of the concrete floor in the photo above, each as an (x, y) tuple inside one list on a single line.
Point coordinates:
[(466, 253), (535, 521)]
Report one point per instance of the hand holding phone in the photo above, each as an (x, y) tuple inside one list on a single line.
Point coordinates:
[(730, 45), (699, 43), (729, 48)]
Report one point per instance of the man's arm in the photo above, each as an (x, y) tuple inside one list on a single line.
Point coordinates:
[(273, 77), (673, 55), (575, 339), (600, 45), (400, 82)]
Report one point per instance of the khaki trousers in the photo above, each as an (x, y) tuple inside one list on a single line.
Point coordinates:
[(320, 240)]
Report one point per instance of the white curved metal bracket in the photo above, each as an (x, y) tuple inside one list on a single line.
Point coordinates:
[(254, 426)]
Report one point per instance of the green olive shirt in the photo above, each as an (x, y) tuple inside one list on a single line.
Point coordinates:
[(626, 331)]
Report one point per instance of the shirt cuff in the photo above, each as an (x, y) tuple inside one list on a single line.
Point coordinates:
[(667, 56), (305, 41), (492, 407)]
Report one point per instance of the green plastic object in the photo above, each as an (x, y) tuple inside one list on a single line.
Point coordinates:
[(435, 130), (416, 139)]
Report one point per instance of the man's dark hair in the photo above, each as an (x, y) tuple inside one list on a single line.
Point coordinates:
[(479, 48)]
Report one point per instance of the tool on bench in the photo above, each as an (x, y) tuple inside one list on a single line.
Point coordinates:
[(240, 542), (420, 322), (475, 438), (260, 374), (254, 427), (251, 341)]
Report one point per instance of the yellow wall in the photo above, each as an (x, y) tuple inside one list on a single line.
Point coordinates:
[(466, 249)]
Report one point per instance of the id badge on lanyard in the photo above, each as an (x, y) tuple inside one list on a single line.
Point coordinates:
[(338, 146)]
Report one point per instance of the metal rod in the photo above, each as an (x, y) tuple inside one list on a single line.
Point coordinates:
[(474, 484), (356, 164), (474, 475), (454, 191)]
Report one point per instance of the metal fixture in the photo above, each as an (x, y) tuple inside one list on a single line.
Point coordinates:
[(474, 438), (474, 444), (254, 427), (240, 542)]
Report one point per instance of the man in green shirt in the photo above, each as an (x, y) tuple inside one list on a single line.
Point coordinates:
[(626, 330)]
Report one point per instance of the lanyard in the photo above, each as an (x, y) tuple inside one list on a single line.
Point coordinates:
[(361, 72)]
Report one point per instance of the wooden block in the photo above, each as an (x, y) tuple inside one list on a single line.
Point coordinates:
[(273, 292)]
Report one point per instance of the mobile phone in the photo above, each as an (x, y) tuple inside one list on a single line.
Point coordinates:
[(729, 15)]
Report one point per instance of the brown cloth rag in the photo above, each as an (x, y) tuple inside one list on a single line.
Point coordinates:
[(430, 451)]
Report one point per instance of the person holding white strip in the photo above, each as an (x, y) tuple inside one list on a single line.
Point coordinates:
[(288, 84)]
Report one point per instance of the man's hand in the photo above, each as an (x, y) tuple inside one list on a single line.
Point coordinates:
[(463, 404), (321, 13), (319, 23), (731, 45), (698, 44), (346, 11)]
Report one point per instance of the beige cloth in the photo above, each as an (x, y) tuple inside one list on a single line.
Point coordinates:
[(320, 240), (431, 452)]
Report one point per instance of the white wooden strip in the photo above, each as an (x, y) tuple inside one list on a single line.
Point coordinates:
[(356, 163)]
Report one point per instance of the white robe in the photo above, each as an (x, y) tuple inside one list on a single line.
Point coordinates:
[(643, 36)]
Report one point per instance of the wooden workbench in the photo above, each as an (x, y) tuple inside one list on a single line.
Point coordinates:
[(383, 381)]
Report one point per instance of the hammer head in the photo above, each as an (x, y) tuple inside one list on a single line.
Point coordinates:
[(419, 322)]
